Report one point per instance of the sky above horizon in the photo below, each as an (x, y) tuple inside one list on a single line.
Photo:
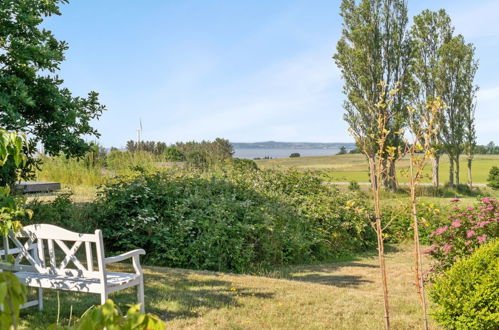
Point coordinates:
[(242, 70)]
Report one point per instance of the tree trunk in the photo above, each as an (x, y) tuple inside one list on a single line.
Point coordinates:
[(451, 171), (418, 260), (389, 171), (375, 174), (392, 171), (457, 170), (470, 180), (435, 167)]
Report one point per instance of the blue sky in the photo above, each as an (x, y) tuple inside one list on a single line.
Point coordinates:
[(242, 70)]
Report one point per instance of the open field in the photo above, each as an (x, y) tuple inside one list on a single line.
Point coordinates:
[(354, 167), (339, 295)]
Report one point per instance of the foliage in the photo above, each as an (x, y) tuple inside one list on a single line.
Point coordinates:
[(172, 154), (33, 100), (467, 295), (11, 146), (294, 155), (157, 148), (108, 316), (493, 178), (204, 154), (489, 149), (354, 186), (464, 230), (62, 212), (240, 164), (401, 228), (12, 296), (374, 48), (229, 220), (342, 151)]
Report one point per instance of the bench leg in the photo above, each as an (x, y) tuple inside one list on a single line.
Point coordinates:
[(103, 298), (140, 295), (40, 299)]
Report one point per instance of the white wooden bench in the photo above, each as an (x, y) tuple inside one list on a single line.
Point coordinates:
[(53, 270)]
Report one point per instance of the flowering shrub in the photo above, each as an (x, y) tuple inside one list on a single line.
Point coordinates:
[(466, 229)]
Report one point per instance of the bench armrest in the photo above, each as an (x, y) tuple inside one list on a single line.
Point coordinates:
[(124, 256)]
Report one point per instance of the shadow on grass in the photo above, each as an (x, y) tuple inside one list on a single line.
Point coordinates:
[(169, 293), (340, 281)]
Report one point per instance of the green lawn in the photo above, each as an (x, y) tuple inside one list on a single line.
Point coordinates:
[(339, 295), (354, 167)]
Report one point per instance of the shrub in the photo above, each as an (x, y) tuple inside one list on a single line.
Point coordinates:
[(493, 178), (241, 164), (467, 295), (353, 186), (401, 228), (234, 220), (464, 231), (294, 155), (172, 154), (64, 213)]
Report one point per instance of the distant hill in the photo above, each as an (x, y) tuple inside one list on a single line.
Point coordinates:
[(292, 145)]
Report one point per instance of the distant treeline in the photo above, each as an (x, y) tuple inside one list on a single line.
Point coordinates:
[(197, 154), (489, 149)]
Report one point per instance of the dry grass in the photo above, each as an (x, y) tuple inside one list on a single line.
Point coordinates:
[(340, 295)]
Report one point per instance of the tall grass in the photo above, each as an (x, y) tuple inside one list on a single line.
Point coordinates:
[(81, 172), (69, 171)]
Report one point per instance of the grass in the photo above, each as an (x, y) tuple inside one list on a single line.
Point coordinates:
[(354, 167), (339, 295)]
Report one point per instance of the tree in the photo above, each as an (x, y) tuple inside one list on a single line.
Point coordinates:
[(458, 66), (375, 147), (374, 48), (431, 30), (469, 107), (32, 99), (342, 151), (294, 155)]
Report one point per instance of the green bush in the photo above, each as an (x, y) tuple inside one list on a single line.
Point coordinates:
[(401, 227), (172, 154), (235, 220), (64, 213), (493, 178), (467, 295)]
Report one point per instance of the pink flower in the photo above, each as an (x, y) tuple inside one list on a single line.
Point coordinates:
[(470, 233), (469, 208), (455, 200), (467, 243), (486, 200), (447, 247), (482, 238), (482, 224), (441, 230), (456, 223), (430, 249)]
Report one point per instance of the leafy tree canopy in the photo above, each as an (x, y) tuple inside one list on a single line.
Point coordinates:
[(32, 97)]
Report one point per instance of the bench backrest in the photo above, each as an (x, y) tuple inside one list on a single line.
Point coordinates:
[(48, 249)]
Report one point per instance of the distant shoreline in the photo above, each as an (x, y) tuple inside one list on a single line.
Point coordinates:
[(293, 145)]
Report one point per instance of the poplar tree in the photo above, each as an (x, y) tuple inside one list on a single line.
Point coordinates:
[(373, 55), (430, 31), (458, 67)]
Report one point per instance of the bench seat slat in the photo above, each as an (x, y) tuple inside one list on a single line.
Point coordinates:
[(69, 283)]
